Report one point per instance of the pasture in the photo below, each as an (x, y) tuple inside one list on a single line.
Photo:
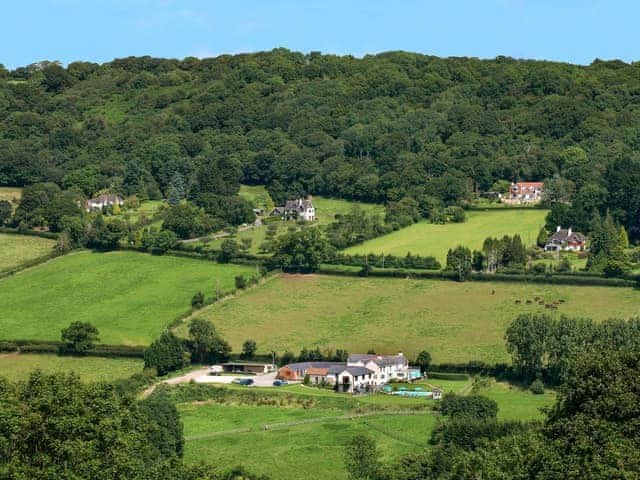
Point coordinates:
[(15, 366), (130, 297), (428, 239), (291, 451), (11, 194), (18, 249), (288, 435), (455, 322)]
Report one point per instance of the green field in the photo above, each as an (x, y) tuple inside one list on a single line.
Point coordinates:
[(276, 440), (428, 239), (237, 434), (17, 249), (147, 209), (11, 194), (129, 296), (515, 403), (455, 322), (93, 369)]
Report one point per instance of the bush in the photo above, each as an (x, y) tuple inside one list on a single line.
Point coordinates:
[(472, 407), (197, 301), (79, 337), (241, 282), (537, 387)]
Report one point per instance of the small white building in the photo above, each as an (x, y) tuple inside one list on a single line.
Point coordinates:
[(104, 200), (302, 208)]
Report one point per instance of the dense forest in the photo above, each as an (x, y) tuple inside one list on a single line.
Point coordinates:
[(380, 128)]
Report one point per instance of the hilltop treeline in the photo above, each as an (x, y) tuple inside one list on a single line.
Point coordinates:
[(380, 128)]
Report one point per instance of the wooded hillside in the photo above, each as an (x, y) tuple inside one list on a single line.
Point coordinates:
[(379, 128)]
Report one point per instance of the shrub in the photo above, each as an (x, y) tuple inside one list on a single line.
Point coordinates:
[(537, 387), (306, 380), (79, 337), (472, 406), (241, 282), (197, 301)]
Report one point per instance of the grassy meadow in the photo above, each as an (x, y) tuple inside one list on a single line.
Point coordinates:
[(290, 452), (15, 366), (17, 249), (455, 322), (290, 436), (11, 194), (130, 297), (428, 239)]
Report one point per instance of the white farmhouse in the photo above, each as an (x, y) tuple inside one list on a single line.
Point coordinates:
[(301, 208), (385, 367), (104, 200)]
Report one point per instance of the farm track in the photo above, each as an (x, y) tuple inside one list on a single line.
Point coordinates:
[(337, 418)]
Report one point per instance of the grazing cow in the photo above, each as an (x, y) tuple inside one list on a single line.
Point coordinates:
[(528, 302), (518, 302)]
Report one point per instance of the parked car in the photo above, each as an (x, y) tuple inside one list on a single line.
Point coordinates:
[(243, 381), (280, 383)]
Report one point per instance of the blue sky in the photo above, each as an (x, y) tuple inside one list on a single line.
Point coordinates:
[(100, 30)]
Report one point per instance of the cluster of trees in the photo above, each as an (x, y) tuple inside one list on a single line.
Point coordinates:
[(204, 345), (355, 226), (396, 127), (607, 249), (542, 347), (314, 355), (502, 252), (56, 426), (386, 261), (505, 252)]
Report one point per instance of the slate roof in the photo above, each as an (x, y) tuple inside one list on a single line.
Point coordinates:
[(380, 360), (307, 365), (563, 236), (106, 198), (298, 205), (356, 371)]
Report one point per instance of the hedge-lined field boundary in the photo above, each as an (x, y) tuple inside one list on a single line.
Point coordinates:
[(53, 346), (555, 279), (31, 263), (30, 233)]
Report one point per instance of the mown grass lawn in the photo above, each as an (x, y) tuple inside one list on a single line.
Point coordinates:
[(17, 249), (455, 322), (92, 369), (130, 297), (427, 239), (517, 403), (312, 450)]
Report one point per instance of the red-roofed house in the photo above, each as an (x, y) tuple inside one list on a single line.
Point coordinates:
[(525, 192)]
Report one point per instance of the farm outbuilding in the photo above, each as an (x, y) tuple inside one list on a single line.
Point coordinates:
[(248, 367)]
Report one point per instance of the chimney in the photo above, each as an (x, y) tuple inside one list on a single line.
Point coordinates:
[(558, 228), (569, 232), (400, 354)]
